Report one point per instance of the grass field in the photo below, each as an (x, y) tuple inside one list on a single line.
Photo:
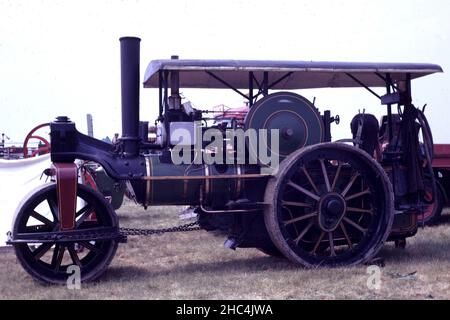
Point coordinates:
[(195, 265)]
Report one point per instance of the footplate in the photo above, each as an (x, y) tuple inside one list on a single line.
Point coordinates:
[(92, 234)]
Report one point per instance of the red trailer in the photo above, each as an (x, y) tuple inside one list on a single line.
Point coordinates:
[(441, 167)]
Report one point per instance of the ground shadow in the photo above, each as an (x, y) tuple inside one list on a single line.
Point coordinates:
[(125, 273), (432, 250), (417, 252), (240, 265), (445, 219)]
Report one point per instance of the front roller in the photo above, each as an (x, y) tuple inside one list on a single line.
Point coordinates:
[(46, 252), (329, 204)]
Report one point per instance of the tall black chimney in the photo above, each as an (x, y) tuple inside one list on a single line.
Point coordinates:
[(129, 64)]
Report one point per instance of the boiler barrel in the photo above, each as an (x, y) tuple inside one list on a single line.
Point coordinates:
[(189, 184)]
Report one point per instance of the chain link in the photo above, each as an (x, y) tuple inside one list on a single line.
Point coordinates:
[(148, 232), (105, 235)]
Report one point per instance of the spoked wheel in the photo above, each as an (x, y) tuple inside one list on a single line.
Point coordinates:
[(329, 205), (48, 261), (44, 144)]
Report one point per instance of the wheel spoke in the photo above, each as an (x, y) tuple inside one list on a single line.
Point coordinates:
[(292, 217), (55, 256), (58, 255), (336, 176), (359, 194), (41, 218), (318, 243), (349, 185), (353, 224), (86, 208), (90, 247), (41, 250), (325, 175), (303, 190), (302, 234), (311, 182), (85, 212), (73, 255), (53, 208), (296, 204), (331, 240), (351, 209), (306, 216), (344, 230)]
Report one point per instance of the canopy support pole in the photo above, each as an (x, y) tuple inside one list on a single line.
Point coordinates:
[(389, 106), (250, 89), (363, 85), (226, 84), (160, 92)]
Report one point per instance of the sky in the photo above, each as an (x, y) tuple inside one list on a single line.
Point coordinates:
[(62, 57)]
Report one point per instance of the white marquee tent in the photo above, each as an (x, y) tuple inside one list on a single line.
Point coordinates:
[(17, 179)]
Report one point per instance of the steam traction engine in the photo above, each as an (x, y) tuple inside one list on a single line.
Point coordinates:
[(326, 204)]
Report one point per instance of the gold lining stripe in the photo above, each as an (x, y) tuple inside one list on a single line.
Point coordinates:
[(207, 177), (238, 181), (149, 182), (152, 186), (207, 185)]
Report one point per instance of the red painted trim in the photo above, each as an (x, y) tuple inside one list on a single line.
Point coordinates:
[(31, 136), (441, 156), (66, 186), (87, 178)]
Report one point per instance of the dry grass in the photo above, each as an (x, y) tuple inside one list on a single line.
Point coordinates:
[(195, 265)]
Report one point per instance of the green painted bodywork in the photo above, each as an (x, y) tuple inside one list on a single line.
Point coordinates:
[(173, 192), (212, 192), (110, 187), (298, 121)]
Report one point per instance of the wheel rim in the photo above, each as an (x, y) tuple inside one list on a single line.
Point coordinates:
[(429, 211), (49, 261), (331, 207), (432, 211)]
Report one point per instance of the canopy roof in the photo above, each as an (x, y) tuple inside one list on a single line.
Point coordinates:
[(294, 74)]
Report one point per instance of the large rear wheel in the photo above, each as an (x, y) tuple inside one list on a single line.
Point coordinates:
[(329, 205)]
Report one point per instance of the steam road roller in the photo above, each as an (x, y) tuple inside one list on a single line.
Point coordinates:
[(267, 175)]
